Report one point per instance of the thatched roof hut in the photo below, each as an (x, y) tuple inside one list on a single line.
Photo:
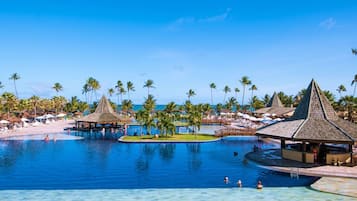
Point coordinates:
[(314, 120), (276, 107), (104, 114)]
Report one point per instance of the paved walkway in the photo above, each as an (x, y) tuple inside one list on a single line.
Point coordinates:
[(341, 186)]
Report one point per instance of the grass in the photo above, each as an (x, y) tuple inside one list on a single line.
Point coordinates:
[(175, 137)]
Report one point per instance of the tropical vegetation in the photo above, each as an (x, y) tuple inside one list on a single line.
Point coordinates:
[(188, 114)]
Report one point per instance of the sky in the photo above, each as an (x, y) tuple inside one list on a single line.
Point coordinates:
[(180, 45)]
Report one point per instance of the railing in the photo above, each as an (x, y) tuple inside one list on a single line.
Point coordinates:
[(216, 121), (294, 173), (234, 131)]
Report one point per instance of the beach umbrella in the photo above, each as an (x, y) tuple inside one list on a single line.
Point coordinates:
[(24, 119), (48, 116), (246, 116), (4, 122), (61, 115), (40, 117), (266, 114)]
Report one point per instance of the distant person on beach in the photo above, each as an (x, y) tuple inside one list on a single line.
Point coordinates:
[(47, 138)]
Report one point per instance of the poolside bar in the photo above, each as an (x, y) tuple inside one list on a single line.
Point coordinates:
[(314, 134), (104, 117)]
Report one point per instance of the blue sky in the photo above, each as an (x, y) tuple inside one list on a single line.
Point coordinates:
[(181, 45)]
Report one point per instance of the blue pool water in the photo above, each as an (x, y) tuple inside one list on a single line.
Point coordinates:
[(108, 164)]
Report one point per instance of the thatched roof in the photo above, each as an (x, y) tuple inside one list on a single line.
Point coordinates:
[(275, 101), (314, 120), (275, 107), (104, 113)]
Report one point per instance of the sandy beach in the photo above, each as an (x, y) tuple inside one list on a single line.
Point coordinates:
[(53, 127)]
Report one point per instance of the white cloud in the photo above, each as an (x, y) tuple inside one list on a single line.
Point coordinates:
[(177, 24), (216, 18), (328, 23)]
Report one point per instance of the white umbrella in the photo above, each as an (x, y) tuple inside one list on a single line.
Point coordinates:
[(24, 119), (266, 115), (246, 116), (61, 115), (47, 116), (4, 122), (267, 118)]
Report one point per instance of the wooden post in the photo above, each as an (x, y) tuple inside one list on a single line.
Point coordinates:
[(303, 152), (351, 152), (282, 146)]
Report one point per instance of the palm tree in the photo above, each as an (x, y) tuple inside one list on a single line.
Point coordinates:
[(92, 85), (170, 107), (253, 88), (1, 85), (118, 86), (165, 123), (59, 102), (149, 104), (212, 86), (127, 105), (226, 90), (129, 87), (195, 118), (149, 84), (121, 93), (110, 92), (190, 94), (230, 103), (341, 89), (244, 81), (34, 100), (266, 99), (85, 91), (9, 102), (256, 103), (348, 101), (354, 82), (236, 91), (95, 86), (57, 87), (15, 77), (139, 116)]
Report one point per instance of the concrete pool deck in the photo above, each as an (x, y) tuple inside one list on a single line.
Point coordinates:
[(340, 180), (337, 185)]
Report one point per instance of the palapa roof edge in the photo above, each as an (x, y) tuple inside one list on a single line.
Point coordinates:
[(320, 121), (104, 113)]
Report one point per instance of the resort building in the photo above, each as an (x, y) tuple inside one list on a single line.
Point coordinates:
[(315, 133), (276, 108)]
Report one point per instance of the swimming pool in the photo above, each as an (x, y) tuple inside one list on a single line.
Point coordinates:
[(106, 169), (107, 164)]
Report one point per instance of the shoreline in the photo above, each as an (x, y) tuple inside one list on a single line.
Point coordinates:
[(51, 128)]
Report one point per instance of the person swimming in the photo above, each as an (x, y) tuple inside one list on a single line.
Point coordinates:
[(239, 183), (47, 138), (259, 185), (226, 180)]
